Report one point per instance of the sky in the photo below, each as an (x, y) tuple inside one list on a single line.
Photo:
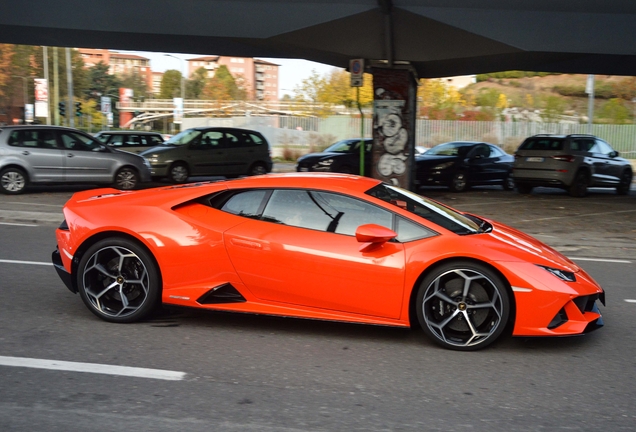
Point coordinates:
[(290, 72)]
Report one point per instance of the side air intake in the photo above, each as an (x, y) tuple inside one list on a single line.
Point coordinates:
[(225, 293)]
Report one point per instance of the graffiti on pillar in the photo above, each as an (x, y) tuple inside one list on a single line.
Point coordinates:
[(393, 125)]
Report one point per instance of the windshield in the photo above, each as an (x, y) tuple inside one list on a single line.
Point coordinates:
[(427, 209), (450, 149), (344, 146), (183, 138)]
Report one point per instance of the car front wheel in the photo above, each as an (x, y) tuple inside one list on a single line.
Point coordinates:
[(126, 179), (463, 305), (625, 183), (579, 185), (118, 280), (459, 182), (179, 173), (508, 183), (13, 181)]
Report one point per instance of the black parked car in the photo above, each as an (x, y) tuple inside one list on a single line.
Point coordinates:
[(462, 164), (342, 157)]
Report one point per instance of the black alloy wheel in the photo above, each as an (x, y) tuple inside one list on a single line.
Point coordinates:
[(463, 305), (126, 178), (258, 168), (508, 182), (118, 280), (459, 182), (13, 181), (580, 184), (179, 173), (625, 182)]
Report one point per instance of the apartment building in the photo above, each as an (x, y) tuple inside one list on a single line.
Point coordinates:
[(260, 77), (118, 63)]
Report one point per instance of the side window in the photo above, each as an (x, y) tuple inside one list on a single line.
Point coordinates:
[(255, 139), (211, 140), (33, 138), (323, 211), (602, 147), (233, 139), (247, 203), (75, 141), (103, 138), (133, 141), (152, 140), (409, 231), (117, 141), (46, 139)]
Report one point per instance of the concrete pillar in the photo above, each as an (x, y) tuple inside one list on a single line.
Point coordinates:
[(394, 106)]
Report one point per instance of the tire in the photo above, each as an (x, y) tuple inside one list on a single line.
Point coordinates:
[(115, 266), (13, 181), (466, 322), (179, 173), (508, 183), (257, 168), (579, 185), (126, 179), (459, 182), (625, 182), (523, 188)]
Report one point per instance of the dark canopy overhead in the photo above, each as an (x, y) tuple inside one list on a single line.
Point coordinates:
[(438, 37)]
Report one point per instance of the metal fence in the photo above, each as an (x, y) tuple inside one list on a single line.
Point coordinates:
[(309, 133)]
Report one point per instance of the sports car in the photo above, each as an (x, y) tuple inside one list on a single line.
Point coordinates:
[(322, 246)]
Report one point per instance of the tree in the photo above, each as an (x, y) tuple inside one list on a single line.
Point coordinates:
[(438, 100), (196, 84), (136, 82), (311, 89), (615, 111), (170, 84), (222, 86)]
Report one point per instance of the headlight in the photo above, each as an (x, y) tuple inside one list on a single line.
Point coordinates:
[(561, 274), (443, 165), (326, 162), (153, 159), (146, 162)]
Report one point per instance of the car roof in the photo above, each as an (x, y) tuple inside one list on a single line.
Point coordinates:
[(223, 128), (330, 181), (127, 133)]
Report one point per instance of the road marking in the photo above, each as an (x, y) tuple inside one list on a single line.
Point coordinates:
[(34, 204), (92, 368), (576, 216), (25, 262), (17, 224), (630, 300), (601, 260)]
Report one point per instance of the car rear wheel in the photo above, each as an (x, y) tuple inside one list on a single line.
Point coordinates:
[(126, 179), (508, 183), (179, 173), (13, 181), (579, 185), (459, 182), (625, 182), (257, 168), (463, 306), (523, 188), (118, 280)]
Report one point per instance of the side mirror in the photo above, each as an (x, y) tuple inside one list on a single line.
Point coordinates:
[(100, 148), (374, 234), (614, 154)]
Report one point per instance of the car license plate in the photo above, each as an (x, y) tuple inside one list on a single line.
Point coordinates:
[(303, 169), (534, 159)]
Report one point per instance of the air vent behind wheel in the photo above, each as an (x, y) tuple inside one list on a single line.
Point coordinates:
[(225, 293)]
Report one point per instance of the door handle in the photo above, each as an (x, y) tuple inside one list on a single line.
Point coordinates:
[(250, 244), (26, 152), (70, 155)]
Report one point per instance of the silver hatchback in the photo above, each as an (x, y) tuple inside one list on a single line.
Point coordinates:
[(571, 162), (53, 155)]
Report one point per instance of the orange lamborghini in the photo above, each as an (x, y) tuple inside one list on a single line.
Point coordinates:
[(322, 246)]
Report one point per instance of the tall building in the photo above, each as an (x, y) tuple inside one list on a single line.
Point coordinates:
[(260, 77), (118, 63)]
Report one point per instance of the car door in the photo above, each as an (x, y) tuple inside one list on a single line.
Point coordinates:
[(207, 155), (86, 159), (482, 165), (38, 150), (303, 251), (240, 152), (604, 167)]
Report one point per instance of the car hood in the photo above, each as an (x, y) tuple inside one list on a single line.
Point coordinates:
[(424, 160), (320, 156), (503, 238), (158, 149)]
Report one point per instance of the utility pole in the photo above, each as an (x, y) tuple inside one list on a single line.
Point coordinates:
[(69, 80), (56, 85)]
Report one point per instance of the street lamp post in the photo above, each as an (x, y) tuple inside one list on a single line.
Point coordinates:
[(182, 75)]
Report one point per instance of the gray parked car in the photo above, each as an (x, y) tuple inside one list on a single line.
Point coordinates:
[(571, 162), (130, 141), (53, 155), (210, 151)]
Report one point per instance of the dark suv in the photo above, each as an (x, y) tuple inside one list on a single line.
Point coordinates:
[(571, 162), (130, 141)]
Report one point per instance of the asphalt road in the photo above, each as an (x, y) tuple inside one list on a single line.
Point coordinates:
[(244, 372)]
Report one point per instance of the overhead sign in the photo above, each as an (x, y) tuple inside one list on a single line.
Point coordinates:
[(356, 69)]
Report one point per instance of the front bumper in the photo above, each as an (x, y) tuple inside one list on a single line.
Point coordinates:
[(61, 271)]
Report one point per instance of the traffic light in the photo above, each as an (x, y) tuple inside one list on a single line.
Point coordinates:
[(62, 108), (78, 109)]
